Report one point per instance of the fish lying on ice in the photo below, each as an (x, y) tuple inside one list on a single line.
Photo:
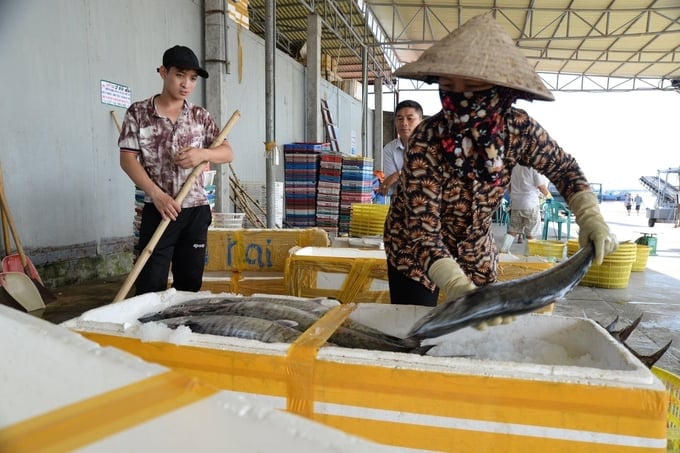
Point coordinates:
[(237, 326), (349, 335), (209, 305), (510, 298), (188, 308), (299, 314)]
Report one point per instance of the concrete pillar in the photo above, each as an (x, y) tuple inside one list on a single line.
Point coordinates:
[(313, 80), (217, 63)]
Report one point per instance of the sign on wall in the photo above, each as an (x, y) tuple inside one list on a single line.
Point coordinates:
[(115, 94)]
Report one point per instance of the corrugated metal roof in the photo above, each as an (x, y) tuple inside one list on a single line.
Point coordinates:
[(573, 44), (344, 34)]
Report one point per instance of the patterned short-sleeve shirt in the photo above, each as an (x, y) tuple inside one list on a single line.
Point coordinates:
[(157, 140), (436, 214)]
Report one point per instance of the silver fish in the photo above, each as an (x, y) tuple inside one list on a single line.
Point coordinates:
[(316, 308), (349, 335), (311, 305), (303, 312), (237, 326), (514, 297), (210, 305)]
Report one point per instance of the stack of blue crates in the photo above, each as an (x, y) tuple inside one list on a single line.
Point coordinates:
[(301, 166)]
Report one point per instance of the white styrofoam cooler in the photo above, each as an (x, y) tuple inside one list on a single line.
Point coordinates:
[(62, 392), (542, 383)]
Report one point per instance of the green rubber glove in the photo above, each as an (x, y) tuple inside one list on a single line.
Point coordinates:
[(450, 278), (592, 227)]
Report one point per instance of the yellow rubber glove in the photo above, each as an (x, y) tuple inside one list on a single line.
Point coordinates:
[(450, 278), (592, 227), (497, 321)]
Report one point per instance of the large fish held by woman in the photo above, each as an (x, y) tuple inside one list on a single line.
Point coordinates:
[(510, 298)]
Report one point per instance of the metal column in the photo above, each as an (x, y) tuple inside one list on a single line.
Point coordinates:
[(313, 82), (377, 125), (270, 108), (216, 63)]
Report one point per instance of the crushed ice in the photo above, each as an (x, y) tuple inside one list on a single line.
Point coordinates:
[(523, 350)]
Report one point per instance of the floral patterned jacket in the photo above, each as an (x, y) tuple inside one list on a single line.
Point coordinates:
[(436, 214)]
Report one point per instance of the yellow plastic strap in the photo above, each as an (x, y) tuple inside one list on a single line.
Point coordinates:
[(269, 146), (238, 258), (357, 280), (302, 356), (87, 421)]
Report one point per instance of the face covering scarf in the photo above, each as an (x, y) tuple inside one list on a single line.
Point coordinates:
[(474, 138)]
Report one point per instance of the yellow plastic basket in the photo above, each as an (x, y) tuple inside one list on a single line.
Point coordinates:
[(608, 275), (614, 272), (672, 383), (549, 249), (367, 219), (641, 258), (627, 251), (572, 246), (513, 270)]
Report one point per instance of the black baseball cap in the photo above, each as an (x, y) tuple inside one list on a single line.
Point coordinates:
[(182, 57)]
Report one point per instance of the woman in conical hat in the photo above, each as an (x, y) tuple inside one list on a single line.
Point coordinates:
[(438, 231)]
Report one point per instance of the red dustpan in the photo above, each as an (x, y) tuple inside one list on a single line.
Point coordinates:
[(13, 263), (18, 262)]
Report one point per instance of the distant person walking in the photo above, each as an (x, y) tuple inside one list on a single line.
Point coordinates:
[(638, 203), (629, 202)]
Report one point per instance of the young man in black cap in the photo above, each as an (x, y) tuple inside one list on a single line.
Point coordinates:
[(163, 139)]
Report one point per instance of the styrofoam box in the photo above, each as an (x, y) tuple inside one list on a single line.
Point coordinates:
[(245, 283), (258, 250), (62, 392), (335, 280), (542, 383), (347, 274)]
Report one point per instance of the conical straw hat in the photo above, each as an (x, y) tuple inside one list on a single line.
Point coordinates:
[(481, 50)]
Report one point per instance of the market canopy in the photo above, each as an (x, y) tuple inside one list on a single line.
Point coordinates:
[(575, 45)]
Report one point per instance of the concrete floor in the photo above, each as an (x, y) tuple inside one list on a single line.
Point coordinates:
[(652, 293)]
